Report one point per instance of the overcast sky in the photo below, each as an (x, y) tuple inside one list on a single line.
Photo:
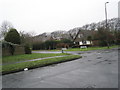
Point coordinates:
[(51, 15)]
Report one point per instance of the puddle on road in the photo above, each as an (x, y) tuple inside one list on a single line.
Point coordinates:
[(89, 60), (107, 51), (81, 62), (84, 52), (84, 56), (106, 61), (109, 63), (98, 53), (100, 62), (89, 52), (99, 57)]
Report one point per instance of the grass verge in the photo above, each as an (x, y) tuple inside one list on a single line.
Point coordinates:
[(6, 69), (90, 48), (84, 49), (17, 58)]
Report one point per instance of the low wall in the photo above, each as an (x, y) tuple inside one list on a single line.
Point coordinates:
[(18, 50)]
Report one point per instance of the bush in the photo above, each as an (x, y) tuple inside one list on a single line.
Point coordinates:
[(67, 41), (102, 43), (51, 44), (38, 46), (27, 49), (13, 36)]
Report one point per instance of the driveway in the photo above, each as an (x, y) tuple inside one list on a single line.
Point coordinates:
[(96, 69)]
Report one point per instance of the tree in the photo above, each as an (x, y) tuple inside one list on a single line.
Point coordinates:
[(27, 49), (66, 41), (93, 26), (27, 38), (117, 36), (5, 27), (73, 34), (86, 27), (89, 38), (117, 32), (104, 36), (13, 36), (51, 44)]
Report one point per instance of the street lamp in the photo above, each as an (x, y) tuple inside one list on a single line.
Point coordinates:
[(106, 13), (106, 23)]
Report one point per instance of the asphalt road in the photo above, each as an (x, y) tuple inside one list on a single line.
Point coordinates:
[(96, 69)]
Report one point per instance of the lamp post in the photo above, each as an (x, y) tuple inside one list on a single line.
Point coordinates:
[(106, 13), (106, 24)]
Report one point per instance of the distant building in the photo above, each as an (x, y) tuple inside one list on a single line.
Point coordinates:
[(119, 9), (84, 37)]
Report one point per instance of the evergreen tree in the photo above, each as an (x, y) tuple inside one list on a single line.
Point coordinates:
[(13, 36)]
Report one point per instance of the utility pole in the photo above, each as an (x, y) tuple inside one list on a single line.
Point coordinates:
[(106, 24), (106, 13)]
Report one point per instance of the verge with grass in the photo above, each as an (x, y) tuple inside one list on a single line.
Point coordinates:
[(6, 69), (17, 58), (90, 48), (83, 49)]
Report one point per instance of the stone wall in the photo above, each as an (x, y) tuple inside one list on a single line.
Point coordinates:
[(5, 52)]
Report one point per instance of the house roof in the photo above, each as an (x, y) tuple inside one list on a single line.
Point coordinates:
[(84, 34)]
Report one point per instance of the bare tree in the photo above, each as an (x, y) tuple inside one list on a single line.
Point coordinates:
[(26, 38), (86, 27), (73, 34), (4, 28), (92, 26)]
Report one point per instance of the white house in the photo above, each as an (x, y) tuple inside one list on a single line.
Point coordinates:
[(83, 38)]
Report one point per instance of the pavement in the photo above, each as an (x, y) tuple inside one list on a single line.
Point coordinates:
[(96, 69)]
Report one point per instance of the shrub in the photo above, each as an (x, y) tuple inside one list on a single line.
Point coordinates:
[(13, 36), (27, 49), (38, 46), (66, 41)]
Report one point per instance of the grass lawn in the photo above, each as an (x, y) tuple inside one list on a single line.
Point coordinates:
[(48, 50), (33, 64), (17, 58), (79, 49), (90, 48)]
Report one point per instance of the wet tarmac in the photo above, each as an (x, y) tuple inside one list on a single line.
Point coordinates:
[(96, 69)]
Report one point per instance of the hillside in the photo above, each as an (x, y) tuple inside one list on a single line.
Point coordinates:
[(114, 24)]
